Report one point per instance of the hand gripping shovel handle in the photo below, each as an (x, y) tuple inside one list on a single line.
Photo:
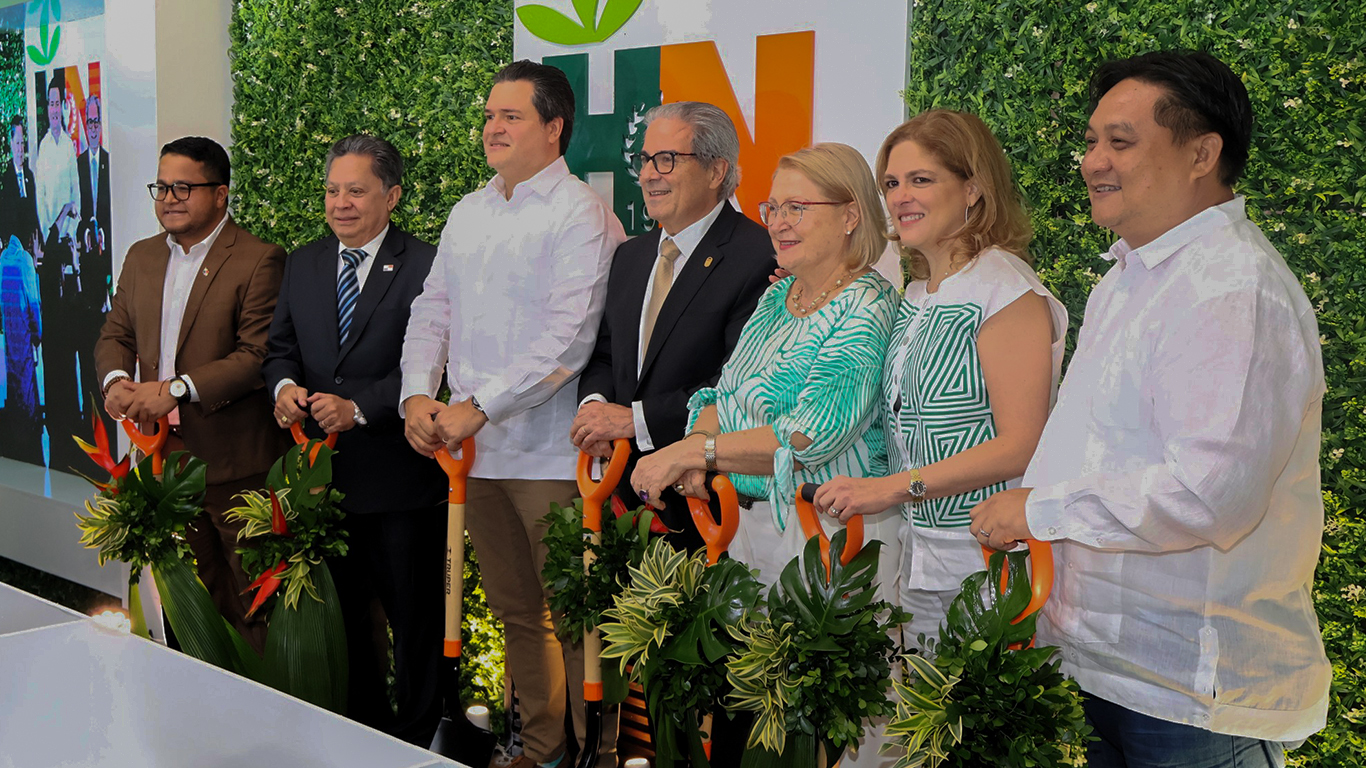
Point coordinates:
[(151, 445), (811, 526), (594, 494), (717, 537), (1040, 577), (297, 430)]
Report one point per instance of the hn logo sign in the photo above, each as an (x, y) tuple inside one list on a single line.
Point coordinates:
[(647, 77)]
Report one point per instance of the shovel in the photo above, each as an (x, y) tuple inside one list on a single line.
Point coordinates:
[(145, 591), (594, 494), (297, 430), (806, 513), (1040, 580), (456, 737), (718, 538)]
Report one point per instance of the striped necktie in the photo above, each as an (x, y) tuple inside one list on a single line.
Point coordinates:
[(348, 290)]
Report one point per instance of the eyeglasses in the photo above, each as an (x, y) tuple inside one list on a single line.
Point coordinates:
[(664, 161), (792, 211), (180, 190), (92, 121)]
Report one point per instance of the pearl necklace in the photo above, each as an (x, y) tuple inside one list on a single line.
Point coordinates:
[(796, 298)]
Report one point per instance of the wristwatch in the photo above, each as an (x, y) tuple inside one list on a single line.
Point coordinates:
[(180, 390), (357, 415), (474, 401), (917, 486), (709, 453)]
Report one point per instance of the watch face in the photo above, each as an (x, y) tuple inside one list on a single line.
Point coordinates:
[(179, 388), (917, 488)]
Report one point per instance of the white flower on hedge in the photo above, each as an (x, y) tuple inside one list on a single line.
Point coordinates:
[(340, 11), (1336, 453), (1278, 226), (1293, 103), (1345, 81), (1038, 32), (1323, 340), (394, 114), (1292, 24), (1091, 7), (1301, 238), (1312, 277), (1353, 593)]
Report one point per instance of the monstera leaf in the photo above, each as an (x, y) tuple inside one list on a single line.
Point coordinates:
[(554, 27), (975, 616)]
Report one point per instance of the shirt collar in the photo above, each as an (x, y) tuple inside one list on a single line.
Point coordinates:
[(200, 248), (691, 236), (1181, 235), (541, 184), (371, 248)]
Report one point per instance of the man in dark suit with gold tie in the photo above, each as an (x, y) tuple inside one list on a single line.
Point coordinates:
[(677, 296)]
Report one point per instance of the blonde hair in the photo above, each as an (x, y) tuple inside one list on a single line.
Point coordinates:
[(841, 174), (964, 145)]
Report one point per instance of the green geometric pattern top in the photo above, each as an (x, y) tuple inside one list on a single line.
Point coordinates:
[(819, 375), (936, 400)]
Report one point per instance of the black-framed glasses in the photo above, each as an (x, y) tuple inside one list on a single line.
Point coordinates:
[(180, 190), (664, 161), (792, 210)]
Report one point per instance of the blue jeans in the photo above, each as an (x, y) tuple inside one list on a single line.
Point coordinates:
[(1127, 739)]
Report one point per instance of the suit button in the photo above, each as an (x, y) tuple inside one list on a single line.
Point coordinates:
[(337, 380)]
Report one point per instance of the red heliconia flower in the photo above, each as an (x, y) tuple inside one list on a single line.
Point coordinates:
[(268, 582), (101, 454), (658, 526), (618, 506), (278, 524)]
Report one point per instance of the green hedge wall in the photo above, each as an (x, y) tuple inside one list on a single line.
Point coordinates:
[(412, 71), (11, 83), (1023, 67)]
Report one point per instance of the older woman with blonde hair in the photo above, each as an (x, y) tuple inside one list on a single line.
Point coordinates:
[(973, 365), (798, 400)]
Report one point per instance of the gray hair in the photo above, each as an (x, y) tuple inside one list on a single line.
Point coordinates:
[(385, 161), (713, 136)]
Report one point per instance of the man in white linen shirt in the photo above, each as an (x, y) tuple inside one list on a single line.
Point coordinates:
[(510, 310), (1178, 475)]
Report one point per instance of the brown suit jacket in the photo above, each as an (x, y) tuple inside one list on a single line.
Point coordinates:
[(222, 342)]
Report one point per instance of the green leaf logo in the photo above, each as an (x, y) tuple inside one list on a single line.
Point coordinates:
[(554, 27), (47, 39)]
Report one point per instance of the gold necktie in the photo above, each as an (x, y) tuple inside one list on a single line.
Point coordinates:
[(664, 280)]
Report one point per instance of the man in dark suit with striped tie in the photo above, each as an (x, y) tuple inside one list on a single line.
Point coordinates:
[(334, 360)]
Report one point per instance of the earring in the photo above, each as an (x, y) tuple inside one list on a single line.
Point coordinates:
[(966, 211), (848, 232)]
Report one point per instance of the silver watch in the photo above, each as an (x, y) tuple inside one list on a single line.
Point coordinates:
[(357, 415)]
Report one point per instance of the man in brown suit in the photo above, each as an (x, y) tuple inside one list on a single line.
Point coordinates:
[(190, 318)]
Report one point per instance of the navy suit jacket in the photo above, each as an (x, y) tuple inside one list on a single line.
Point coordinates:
[(698, 326), (374, 466)]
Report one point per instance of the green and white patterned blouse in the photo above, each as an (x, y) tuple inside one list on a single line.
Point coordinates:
[(935, 402), (819, 375)]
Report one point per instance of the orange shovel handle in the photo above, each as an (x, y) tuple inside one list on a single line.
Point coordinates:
[(806, 513), (718, 537), (297, 430), (594, 493), (457, 470), (150, 445)]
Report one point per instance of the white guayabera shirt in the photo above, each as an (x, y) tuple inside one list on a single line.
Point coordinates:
[(1179, 476), (510, 310)]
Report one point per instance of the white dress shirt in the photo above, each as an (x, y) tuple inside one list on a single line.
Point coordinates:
[(57, 180), (362, 271), (510, 310), (687, 241), (1179, 477), (181, 269)]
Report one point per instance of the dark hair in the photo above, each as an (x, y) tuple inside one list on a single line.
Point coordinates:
[(551, 94), (206, 152), (18, 122), (1203, 96), (385, 161)]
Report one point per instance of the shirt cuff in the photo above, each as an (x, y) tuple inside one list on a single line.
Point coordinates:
[(276, 394), (1045, 513), (593, 398), (414, 384), (194, 393), (643, 440), (114, 375)]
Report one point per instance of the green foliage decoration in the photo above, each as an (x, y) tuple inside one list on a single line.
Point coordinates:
[(979, 703), (555, 27), (674, 624), (579, 599), (817, 664), (1024, 68), (415, 72), (12, 92), (140, 519)]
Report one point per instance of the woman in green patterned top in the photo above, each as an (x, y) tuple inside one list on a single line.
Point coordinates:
[(798, 400), (974, 360)]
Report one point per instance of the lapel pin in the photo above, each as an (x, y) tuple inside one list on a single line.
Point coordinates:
[(205, 271), (388, 267), (707, 263)]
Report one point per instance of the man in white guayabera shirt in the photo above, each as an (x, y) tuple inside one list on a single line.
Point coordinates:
[(510, 310), (1178, 475)]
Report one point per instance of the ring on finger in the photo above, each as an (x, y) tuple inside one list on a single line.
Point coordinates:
[(679, 488)]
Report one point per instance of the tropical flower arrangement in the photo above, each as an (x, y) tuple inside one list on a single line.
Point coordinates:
[(816, 665), (674, 626), (291, 528), (978, 703)]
